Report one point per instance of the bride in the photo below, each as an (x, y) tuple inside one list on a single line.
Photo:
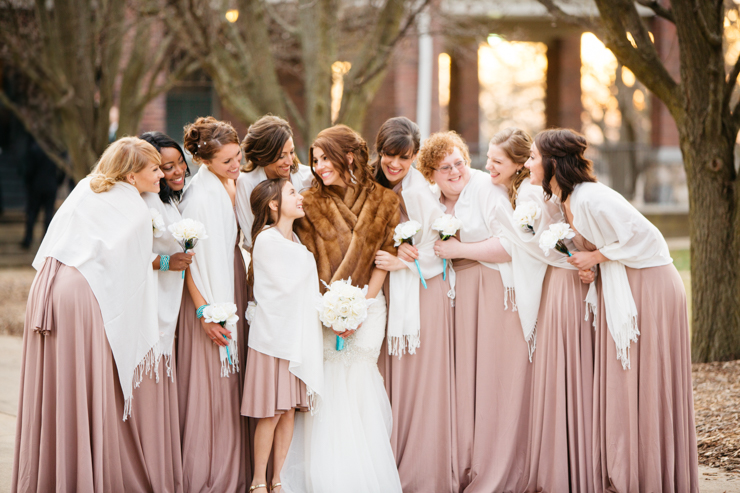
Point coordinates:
[(345, 446)]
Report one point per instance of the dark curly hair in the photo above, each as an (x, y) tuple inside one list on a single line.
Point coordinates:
[(562, 151), (160, 140)]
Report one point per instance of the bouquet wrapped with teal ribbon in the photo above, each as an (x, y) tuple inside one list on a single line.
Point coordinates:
[(187, 232), (404, 233), (343, 307), (447, 226)]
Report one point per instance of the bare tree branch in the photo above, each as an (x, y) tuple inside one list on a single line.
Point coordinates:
[(714, 39), (660, 11), (275, 16), (561, 15)]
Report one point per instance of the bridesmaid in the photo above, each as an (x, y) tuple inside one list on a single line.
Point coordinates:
[(270, 154), (285, 369), (421, 384), (479, 290), (215, 440), (503, 397), (644, 434), (562, 394), (169, 254), (91, 336)]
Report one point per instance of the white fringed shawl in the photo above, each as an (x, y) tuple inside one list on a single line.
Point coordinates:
[(169, 283), (301, 180), (206, 200), (404, 317), (286, 322), (107, 237), (528, 262), (626, 238)]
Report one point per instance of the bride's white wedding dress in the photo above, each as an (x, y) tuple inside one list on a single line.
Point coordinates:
[(346, 447)]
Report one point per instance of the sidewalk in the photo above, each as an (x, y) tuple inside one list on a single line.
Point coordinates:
[(711, 480)]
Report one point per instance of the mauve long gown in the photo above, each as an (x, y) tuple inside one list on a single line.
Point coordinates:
[(215, 437), (70, 433), (562, 388)]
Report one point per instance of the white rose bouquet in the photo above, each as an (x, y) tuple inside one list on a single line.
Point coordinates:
[(447, 226), (187, 232), (222, 314), (158, 227), (553, 238), (251, 310), (404, 233), (343, 307), (526, 214)]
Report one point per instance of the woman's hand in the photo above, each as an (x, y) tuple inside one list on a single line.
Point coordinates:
[(181, 261), (347, 333), (408, 253), (215, 332), (448, 249), (586, 260), (587, 276), (388, 262)]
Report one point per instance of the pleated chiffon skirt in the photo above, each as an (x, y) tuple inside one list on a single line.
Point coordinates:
[(70, 435), (270, 388), (644, 430), (421, 389), (215, 438), (560, 456)]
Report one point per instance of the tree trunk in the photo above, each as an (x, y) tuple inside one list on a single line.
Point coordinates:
[(715, 244)]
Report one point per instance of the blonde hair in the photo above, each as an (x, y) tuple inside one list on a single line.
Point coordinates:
[(517, 145), (437, 147), (121, 158)]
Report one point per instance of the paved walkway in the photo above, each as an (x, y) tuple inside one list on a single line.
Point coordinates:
[(712, 480)]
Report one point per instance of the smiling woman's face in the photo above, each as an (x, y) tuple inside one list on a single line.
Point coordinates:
[(325, 169), (534, 164), (452, 173), (174, 168), (225, 162), (281, 167), (395, 168)]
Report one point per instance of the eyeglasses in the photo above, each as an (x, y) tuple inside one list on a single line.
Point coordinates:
[(445, 170)]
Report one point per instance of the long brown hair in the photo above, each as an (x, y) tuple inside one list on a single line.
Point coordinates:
[(396, 137), (337, 142), (562, 151), (264, 193), (264, 143), (516, 144), (206, 136)]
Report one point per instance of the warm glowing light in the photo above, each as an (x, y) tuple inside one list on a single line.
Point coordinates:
[(631, 39), (338, 71), (232, 15), (638, 99), (628, 77), (445, 63), (512, 78), (652, 38), (598, 74)]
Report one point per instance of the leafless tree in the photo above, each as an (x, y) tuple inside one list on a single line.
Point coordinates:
[(78, 58), (275, 45)]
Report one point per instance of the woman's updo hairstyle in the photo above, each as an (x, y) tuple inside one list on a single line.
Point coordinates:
[(517, 145), (396, 137), (121, 158), (437, 147), (264, 193), (204, 138), (337, 142), (160, 141), (562, 151), (264, 143)]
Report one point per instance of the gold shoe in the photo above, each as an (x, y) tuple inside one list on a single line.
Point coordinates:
[(252, 488), (275, 486)]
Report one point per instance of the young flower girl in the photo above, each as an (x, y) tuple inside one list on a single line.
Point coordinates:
[(285, 358)]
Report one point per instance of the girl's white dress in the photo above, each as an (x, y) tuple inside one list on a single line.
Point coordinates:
[(345, 446)]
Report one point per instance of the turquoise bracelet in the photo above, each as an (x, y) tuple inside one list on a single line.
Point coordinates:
[(164, 263), (199, 311)]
